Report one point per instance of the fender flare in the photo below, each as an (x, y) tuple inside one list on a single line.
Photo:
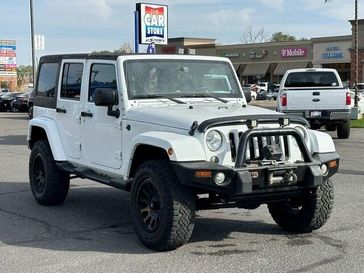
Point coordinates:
[(185, 147), (321, 142), (53, 136)]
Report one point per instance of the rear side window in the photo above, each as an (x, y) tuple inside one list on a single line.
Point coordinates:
[(311, 79), (71, 81), (101, 76), (47, 82)]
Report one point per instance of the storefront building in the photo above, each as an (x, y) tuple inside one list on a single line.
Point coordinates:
[(333, 52), (267, 62)]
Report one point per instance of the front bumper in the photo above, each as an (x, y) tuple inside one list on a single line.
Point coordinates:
[(257, 180), (266, 177)]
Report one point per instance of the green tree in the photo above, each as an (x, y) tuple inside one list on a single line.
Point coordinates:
[(24, 75), (282, 37), (124, 49)]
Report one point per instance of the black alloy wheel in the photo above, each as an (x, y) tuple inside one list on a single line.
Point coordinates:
[(149, 205), (39, 174)]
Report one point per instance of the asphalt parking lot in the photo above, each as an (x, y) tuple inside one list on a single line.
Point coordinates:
[(92, 231)]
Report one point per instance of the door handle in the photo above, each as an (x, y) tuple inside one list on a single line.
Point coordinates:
[(316, 100), (86, 114), (316, 93), (61, 110)]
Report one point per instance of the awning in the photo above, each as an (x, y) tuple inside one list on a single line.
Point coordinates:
[(256, 69), (236, 66), (283, 67)]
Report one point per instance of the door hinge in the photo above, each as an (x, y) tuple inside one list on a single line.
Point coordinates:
[(79, 146)]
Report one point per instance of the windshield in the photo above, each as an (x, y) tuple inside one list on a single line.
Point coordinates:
[(179, 78), (311, 79)]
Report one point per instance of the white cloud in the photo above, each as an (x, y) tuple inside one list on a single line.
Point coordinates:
[(276, 4), (227, 18)]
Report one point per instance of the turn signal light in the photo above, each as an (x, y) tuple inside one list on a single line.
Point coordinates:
[(333, 164), (284, 100), (203, 174)]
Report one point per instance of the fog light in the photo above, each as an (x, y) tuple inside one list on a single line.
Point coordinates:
[(219, 178), (214, 159), (324, 169)]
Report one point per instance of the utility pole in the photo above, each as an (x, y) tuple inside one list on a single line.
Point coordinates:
[(32, 39), (356, 54)]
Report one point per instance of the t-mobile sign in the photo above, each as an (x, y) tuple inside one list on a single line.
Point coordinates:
[(293, 52)]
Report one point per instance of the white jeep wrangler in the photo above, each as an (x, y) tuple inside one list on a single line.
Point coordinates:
[(175, 131)]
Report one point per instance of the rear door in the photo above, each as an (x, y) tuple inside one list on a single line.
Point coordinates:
[(316, 90), (68, 106)]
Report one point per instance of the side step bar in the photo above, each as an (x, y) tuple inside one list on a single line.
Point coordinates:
[(92, 175)]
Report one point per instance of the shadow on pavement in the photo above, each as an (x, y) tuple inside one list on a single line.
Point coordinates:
[(93, 218), (13, 140)]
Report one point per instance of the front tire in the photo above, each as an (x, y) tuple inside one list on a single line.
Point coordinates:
[(49, 184), (162, 210), (307, 214)]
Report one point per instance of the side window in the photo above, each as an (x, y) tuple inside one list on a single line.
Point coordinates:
[(47, 82), (101, 76), (71, 81)]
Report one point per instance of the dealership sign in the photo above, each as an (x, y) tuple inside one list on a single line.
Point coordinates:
[(293, 52), (153, 23), (7, 58)]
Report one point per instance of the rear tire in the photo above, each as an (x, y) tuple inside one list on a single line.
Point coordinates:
[(307, 214), (162, 210), (330, 127), (49, 184), (343, 130)]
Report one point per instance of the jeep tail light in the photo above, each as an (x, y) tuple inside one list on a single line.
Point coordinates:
[(348, 98), (284, 101)]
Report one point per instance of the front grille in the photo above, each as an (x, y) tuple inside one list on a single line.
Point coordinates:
[(256, 144)]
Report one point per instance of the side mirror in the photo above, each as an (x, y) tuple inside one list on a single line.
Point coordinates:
[(107, 97), (247, 95)]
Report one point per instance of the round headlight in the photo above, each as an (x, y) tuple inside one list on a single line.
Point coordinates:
[(214, 140)]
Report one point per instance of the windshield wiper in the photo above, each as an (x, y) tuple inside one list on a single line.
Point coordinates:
[(156, 96), (203, 96)]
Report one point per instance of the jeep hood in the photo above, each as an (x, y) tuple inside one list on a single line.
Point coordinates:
[(182, 116)]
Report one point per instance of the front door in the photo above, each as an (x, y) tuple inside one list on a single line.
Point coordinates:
[(101, 133), (68, 106)]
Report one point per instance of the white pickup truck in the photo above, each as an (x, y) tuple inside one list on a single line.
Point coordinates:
[(317, 95)]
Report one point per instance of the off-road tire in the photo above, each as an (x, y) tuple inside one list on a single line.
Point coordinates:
[(176, 207), (315, 210), (49, 184), (343, 130)]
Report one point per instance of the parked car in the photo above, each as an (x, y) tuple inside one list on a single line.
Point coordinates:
[(262, 95), (30, 103), (361, 88), (20, 103), (190, 150), (3, 90), (318, 95), (263, 86), (6, 99), (272, 95), (253, 95)]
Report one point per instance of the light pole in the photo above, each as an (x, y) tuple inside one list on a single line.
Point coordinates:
[(356, 54), (32, 39)]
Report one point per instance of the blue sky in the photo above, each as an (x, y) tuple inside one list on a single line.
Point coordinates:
[(87, 25)]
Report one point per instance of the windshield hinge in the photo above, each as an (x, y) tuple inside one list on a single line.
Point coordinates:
[(193, 128)]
